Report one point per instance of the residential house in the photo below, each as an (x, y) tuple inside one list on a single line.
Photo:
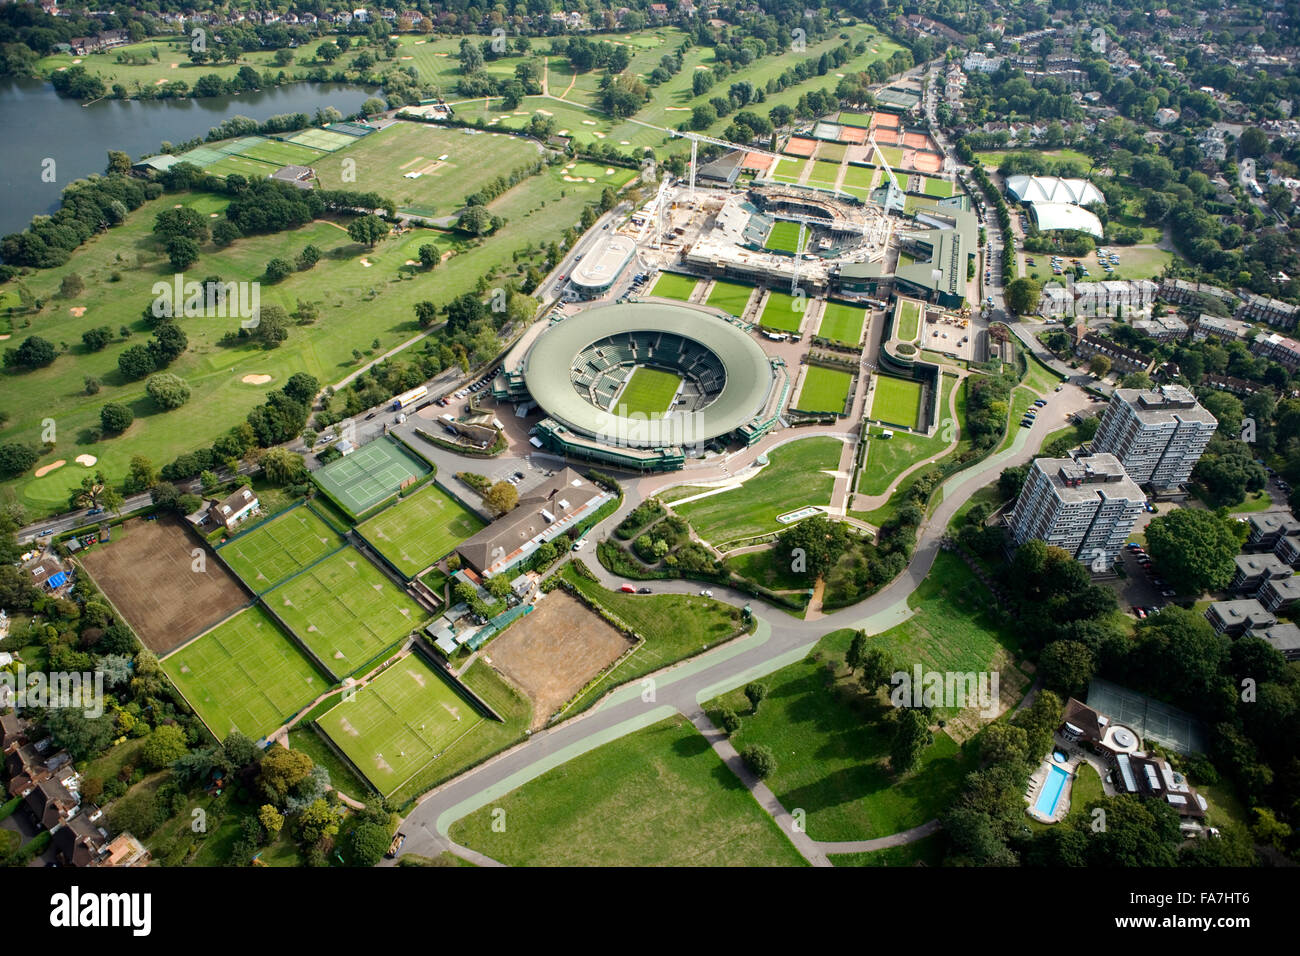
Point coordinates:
[(234, 509), (1235, 618)]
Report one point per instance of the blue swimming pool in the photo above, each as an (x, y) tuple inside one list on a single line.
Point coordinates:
[(1051, 792)]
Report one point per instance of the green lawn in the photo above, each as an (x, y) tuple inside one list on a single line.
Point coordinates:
[(831, 742), (345, 610), (909, 320), (824, 173), (276, 549), (842, 323), (887, 458), (780, 312), (399, 722), (928, 851), (343, 778), (731, 297), (1085, 788), (1040, 378), (649, 392), (657, 797), (421, 529), (763, 568), (940, 188), (859, 177), (897, 401), (834, 152), (245, 675), (671, 285), (795, 477), (784, 237), (824, 390), (789, 169), (1021, 399)]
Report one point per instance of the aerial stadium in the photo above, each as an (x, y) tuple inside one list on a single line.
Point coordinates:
[(640, 385)]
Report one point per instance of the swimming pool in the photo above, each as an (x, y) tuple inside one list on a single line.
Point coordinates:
[(1050, 795)]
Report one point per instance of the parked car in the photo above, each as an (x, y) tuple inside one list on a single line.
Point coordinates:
[(643, 591), (706, 593), (628, 589), (1140, 613), (395, 846)]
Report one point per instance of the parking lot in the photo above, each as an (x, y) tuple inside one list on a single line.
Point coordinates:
[(524, 473)]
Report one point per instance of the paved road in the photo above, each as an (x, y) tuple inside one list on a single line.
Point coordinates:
[(779, 639)]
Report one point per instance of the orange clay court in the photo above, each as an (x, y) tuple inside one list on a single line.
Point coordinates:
[(798, 146)]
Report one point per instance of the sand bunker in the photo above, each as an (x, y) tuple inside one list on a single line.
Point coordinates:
[(411, 262), (545, 113), (86, 461), (367, 263), (44, 470), (78, 310), (256, 379), (609, 172)]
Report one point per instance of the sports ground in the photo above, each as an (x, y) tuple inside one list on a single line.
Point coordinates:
[(420, 530), (370, 474), (345, 610), (399, 722), (276, 549), (670, 285), (909, 320), (246, 675), (779, 313), (897, 401), (842, 323), (784, 237), (730, 296), (824, 390), (649, 392)]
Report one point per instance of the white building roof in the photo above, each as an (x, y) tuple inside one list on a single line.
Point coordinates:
[(1036, 189), (1064, 215)]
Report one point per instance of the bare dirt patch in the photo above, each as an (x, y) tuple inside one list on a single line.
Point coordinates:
[(553, 652), (147, 572)]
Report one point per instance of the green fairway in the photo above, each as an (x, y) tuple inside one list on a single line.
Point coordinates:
[(245, 675), (842, 323), (275, 549), (421, 529), (732, 297), (795, 477), (784, 237), (824, 390), (649, 392), (375, 471), (657, 797), (779, 312), (345, 610), (832, 743), (909, 320), (400, 722), (897, 401), (671, 285)]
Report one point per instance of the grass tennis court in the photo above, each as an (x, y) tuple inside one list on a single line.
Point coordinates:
[(859, 176), (345, 610), (909, 320), (784, 237), (789, 169), (824, 173), (834, 152), (271, 552), (649, 392), (671, 285), (842, 323), (779, 312), (322, 139), (246, 675), (937, 187), (283, 154), (399, 723), (824, 390), (897, 401), (730, 296), (370, 474), (252, 168), (420, 530)]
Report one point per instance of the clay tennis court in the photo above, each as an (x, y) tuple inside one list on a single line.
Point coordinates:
[(852, 134), (922, 161), (917, 141), (884, 120), (148, 573), (798, 146), (552, 652)]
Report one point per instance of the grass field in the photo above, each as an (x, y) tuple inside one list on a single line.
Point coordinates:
[(832, 152), (1039, 377), (832, 743), (789, 169), (280, 547), (824, 173), (842, 323), (784, 237), (940, 188), (401, 721), (242, 165), (779, 312), (909, 320), (657, 797), (422, 529), (824, 390), (766, 569), (285, 154), (897, 401), (731, 297), (345, 610), (370, 474), (649, 392), (795, 476), (887, 458), (245, 675), (993, 158), (671, 285)]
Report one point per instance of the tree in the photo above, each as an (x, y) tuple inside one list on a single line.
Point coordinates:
[(309, 256), (278, 269), (426, 313), (857, 652), (182, 252), (1194, 549), (429, 256), (368, 229), (368, 842), (911, 737), (1099, 365), (72, 286), (96, 338), (1253, 142), (115, 417), (283, 467), (501, 497), (317, 821), (475, 220), (35, 352), (498, 586), (755, 693), (167, 390), (164, 746), (16, 458), (1023, 295), (142, 475), (760, 760), (270, 818), (136, 361), (281, 771), (1066, 666), (729, 720)]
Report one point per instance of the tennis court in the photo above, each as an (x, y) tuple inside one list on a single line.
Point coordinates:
[(824, 390), (370, 474), (345, 610), (649, 392), (251, 168), (897, 401), (842, 323), (784, 237), (246, 675), (283, 154), (424, 528), (779, 312), (1153, 719), (321, 139), (731, 297), (670, 285), (400, 722), (276, 549), (940, 188)]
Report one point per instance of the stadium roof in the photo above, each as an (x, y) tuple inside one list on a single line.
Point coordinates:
[(1036, 189), (1064, 215), (599, 267), (748, 371)]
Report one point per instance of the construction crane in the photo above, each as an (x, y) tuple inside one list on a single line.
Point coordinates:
[(889, 173), (804, 223), (697, 138)]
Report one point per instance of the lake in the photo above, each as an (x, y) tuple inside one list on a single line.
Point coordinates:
[(42, 125)]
